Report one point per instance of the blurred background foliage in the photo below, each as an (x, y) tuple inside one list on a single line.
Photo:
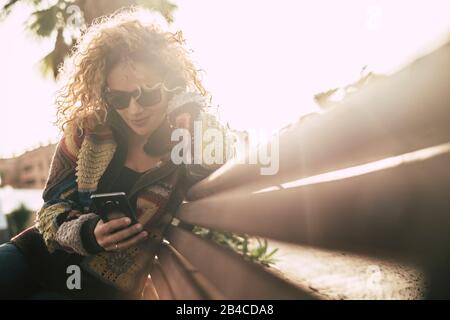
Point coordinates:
[(19, 219), (69, 18)]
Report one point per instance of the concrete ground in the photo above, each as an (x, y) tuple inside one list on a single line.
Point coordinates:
[(338, 275)]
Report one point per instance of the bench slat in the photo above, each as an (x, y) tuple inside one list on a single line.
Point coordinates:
[(405, 112), (235, 277), (160, 283), (184, 280), (405, 204), (150, 290)]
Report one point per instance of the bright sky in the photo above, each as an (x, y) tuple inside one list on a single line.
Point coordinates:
[(264, 59)]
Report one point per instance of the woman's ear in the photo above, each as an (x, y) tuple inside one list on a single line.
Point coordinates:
[(159, 143), (192, 108)]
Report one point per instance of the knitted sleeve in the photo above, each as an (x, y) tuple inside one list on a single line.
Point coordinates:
[(61, 220)]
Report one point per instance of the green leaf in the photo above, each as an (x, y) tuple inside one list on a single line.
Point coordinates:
[(272, 253), (6, 9), (46, 64), (44, 22), (254, 249)]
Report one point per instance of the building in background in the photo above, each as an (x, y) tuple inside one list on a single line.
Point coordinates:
[(29, 170)]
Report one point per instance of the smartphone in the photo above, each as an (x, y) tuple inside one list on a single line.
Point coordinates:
[(111, 206)]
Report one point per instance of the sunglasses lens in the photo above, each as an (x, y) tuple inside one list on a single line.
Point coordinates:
[(149, 98), (117, 100)]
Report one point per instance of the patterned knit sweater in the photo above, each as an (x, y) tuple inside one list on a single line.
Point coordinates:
[(82, 165)]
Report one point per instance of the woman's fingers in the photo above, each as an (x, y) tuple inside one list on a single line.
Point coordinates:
[(128, 243), (111, 239), (103, 230), (115, 224), (122, 234)]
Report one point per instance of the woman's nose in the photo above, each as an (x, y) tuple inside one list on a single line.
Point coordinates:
[(134, 107)]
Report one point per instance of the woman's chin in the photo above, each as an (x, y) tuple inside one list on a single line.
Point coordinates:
[(142, 132)]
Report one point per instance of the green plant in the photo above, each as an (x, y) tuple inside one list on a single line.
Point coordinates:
[(252, 248), (67, 19), (18, 219)]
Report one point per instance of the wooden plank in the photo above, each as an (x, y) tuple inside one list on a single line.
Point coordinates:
[(390, 208), (406, 112), (235, 277), (183, 279), (159, 279), (180, 285), (150, 292)]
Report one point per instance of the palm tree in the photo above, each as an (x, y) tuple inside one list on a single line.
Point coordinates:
[(68, 19)]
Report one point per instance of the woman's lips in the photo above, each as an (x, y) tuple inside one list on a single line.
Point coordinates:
[(140, 122)]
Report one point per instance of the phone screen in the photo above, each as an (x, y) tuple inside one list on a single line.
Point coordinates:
[(111, 206)]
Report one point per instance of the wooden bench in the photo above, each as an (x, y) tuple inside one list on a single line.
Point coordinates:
[(370, 176)]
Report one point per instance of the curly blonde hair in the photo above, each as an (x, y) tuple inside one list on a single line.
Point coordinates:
[(127, 34)]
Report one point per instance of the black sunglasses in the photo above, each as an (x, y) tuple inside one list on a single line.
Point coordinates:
[(145, 96)]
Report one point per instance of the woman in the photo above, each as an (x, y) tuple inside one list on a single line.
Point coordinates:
[(128, 84)]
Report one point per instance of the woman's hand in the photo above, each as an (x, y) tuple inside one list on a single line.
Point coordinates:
[(110, 239)]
